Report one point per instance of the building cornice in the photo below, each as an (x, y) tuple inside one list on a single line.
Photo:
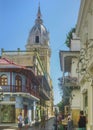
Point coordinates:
[(84, 7)]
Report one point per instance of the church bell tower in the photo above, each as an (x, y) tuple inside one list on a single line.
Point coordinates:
[(38, 40)]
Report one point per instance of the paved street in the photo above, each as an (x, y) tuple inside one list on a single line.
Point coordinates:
[(49, 126)]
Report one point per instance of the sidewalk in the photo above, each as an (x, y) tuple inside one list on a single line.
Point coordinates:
[(49, 124), (13, 127)]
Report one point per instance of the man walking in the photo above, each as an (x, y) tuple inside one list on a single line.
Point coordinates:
[(20, 119)]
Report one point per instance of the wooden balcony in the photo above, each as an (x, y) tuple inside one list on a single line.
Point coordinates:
[(23, 90), (44, 87)]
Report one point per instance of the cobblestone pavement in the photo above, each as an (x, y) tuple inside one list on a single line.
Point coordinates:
[(49, 126)]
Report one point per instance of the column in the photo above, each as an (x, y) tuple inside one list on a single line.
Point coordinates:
[(34, 106), (19, 106), (81, 101), (30, 114), (90, 107), (90, 23)]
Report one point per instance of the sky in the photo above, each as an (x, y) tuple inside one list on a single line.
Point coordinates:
[(17, 17)]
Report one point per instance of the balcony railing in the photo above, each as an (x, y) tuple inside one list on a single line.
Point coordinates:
[(45, 93), (22, 89), (68, 80)]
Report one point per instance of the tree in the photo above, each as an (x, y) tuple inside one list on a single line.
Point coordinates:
[(65, 93), (61, 106), (69, 37)]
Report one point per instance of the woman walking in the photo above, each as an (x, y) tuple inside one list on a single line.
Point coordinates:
[(82, 121)]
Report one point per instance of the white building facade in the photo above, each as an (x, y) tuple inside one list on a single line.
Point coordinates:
[(85, 65), (68, 63)]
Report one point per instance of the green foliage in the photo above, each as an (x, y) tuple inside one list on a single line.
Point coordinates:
[(69, 37), (61, 106), (65, 93)]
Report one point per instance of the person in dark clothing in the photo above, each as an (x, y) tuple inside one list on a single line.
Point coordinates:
[(43, 121), (82, 121), (26, 121)]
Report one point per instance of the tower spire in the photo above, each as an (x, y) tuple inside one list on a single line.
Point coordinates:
[(39, 12), (39, 20)]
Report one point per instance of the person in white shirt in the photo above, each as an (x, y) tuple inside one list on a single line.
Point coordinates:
[(70, 123), (20, 119)]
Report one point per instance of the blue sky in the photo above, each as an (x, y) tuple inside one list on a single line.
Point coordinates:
[(17, 17)]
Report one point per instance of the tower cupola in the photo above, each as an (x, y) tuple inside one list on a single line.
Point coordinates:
[(38, 34)]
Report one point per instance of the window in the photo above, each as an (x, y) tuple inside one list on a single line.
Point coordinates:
[(18, 83), (3, 80), (37, 39), (12, 98)]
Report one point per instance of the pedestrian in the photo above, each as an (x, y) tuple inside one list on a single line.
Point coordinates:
[(26, 120), (59, 119), (20, 120), (36, 122), (82, 121), (43, 121), (70, 123)]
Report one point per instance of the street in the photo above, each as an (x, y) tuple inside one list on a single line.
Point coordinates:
[(49, 126)]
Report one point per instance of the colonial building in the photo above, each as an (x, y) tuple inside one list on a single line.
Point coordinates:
[(70, 86), (20, 89), (84, 30), (37, 57)]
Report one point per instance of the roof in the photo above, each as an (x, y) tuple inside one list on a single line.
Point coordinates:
[(6, 63)]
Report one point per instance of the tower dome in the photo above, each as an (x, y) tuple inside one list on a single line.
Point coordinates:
[(38, 34)]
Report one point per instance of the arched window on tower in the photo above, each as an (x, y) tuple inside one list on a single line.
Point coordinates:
[(37, 39)]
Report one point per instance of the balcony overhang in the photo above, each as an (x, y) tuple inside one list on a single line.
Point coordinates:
[(70, 85), (66, 59), (71, 82), (44, 95), (24, 95)]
